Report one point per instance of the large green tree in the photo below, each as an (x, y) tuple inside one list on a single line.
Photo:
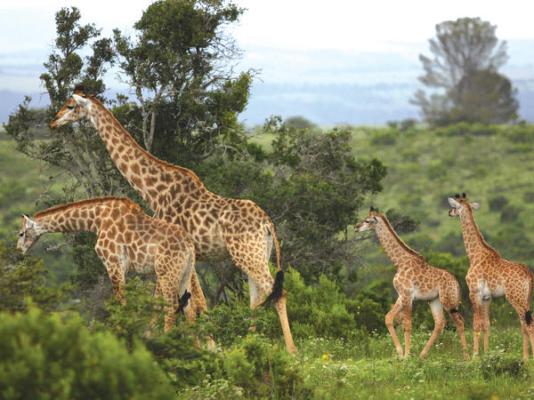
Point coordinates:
[(466, 56), (179, 65)]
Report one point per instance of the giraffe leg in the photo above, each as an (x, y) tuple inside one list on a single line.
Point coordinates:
[(154, 320), (485, 308), (473, 296), (407, 325), (114, 269), (439, 324), (390, 324), (249, 256), (521, 306), (524, 333), (460, 330), (198, 299), (118, 280)]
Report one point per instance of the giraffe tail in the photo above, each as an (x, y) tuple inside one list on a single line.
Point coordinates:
[(183, 301), (278, 287)]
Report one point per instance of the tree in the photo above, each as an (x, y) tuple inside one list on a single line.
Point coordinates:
[(312, 186), (80, 154), (466, 58), (484, 96), (184, 89)]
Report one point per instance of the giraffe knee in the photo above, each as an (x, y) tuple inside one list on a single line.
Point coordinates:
[(389, 320)]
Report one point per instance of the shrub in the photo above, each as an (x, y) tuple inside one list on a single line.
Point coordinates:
[(386, 138), (185, 363), (22, 277), (510, 213), (263, 370), (497, 203), (56, 357), (496, 364), (140, 313)]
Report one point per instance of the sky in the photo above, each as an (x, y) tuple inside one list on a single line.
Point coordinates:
[(291, 43)]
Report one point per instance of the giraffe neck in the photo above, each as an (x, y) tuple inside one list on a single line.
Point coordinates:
[(474, 242), (148, 175), (73, 217), (398, 251)]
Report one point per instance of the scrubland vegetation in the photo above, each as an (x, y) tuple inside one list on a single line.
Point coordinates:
[(63, 336), (344, 349)]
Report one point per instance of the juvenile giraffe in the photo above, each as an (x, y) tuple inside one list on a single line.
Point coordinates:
[(490, 275), (415, 280), (127, 238), (221, 228)]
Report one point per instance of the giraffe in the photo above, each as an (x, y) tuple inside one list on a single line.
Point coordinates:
[(127, 238), (220, 227), (490, 275), (415, 280)]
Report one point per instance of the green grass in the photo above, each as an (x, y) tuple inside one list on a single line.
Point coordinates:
[(370, 370)]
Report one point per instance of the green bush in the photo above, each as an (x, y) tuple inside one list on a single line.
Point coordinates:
[(141, 310), (264, 370), (23, 277), (56, 357), (495, 364), (185, 364)]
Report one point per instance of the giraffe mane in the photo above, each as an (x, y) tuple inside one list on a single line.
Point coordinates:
[(164, 163), (134, 206), (478, 233), (402, 243)]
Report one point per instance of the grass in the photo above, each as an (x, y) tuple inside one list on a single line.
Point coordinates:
[(346, 370)]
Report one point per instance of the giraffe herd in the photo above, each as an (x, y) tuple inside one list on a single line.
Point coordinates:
[(191, 224)]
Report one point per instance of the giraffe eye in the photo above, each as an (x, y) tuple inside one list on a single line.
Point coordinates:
[(70, 107), (21, 234)]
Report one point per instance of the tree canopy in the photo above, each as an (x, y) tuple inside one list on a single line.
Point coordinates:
[(462, 75)]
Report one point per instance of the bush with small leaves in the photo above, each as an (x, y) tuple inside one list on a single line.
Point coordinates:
[(56, 357), (264, 370)]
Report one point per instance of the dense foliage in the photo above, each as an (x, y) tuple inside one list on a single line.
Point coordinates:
[(313, 182)]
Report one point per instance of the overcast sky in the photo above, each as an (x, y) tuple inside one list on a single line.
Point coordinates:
[(288, 41), (379, 26)]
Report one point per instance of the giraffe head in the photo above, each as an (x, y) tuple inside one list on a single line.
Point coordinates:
[(75, 108), (459, 204), (28, 235), (369, 222)]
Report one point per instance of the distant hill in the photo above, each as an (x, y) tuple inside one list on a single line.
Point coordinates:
[(492, 164), (324, 104)]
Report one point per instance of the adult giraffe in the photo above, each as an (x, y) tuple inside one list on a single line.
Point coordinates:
[(221, 228)]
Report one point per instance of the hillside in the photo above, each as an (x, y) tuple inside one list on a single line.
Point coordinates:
[(492, 164), (27, 185)]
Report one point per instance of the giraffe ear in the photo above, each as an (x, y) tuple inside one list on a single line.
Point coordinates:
[(28, 222), (453, 203), (475, 206), (81, 101)]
